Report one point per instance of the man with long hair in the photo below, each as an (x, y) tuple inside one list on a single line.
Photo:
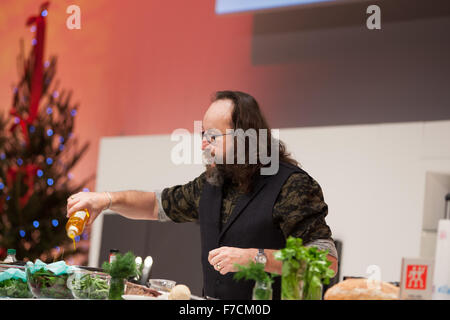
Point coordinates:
[(245, 213)]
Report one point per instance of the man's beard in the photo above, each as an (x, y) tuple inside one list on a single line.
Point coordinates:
[(214, 172), (214, 176), (217, 174)]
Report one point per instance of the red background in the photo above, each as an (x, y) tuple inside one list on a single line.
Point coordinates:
[(136, 67)]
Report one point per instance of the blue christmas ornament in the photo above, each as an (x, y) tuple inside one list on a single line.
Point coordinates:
[(22, 233), (55, 222), (50, 181), (49, 161), (36, 224), (49, 132)]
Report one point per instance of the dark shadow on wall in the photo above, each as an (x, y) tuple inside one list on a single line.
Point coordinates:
[(339, 72)]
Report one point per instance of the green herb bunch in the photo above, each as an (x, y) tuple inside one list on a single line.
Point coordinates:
[(293, 263), (317, 273), (255, 271), (123, 267), (306, 265)]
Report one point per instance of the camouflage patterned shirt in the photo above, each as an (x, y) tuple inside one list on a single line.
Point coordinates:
[(299, 210)]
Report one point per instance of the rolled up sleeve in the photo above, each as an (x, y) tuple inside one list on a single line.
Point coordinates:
[(300, 209), (180, 203)]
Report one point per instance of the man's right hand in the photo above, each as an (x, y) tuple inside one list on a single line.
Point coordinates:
[(94, 202)]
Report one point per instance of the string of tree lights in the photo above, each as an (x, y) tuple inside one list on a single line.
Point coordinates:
[(38, 150)]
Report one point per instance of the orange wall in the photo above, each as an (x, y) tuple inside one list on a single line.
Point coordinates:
[(142, 67), (136, 67)]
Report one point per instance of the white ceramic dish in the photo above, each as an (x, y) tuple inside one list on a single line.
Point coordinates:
[(163, 296)]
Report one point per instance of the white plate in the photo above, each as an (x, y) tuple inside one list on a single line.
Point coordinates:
[(163, 296)]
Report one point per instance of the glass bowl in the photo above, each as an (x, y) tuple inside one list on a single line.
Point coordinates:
[(161, 284), (45, 284), (86, 284), (14, 288)]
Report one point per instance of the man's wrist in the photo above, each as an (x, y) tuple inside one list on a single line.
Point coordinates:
[(261, 256), (109, 201)]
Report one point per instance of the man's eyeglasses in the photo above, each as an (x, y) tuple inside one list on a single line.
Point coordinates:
[(211, 138)]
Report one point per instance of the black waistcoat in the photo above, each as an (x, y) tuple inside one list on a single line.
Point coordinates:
[(250, 225)]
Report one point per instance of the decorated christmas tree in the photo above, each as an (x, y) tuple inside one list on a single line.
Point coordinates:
[(38, 150)]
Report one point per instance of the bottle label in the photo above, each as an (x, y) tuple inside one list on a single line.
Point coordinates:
[(80, 214), (112, 257), (10, 259)]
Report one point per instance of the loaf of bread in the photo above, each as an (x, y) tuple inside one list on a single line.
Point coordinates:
[(362, 289), (180, 292)]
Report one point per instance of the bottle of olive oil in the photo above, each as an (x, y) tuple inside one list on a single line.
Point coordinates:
[(76, 224)]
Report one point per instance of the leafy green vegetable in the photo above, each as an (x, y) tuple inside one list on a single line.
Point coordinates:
[(316, 274), (14, 288), (292, 268), (253, 271), (45, 284), (90, 287), (122, 268), (263, 280), (304, 270)]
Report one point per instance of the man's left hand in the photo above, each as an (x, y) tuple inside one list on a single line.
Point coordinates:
[(224, 258)]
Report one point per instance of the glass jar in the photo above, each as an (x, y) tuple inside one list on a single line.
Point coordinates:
[(116, 288), (312, 292), (262, 290), (291, 281)]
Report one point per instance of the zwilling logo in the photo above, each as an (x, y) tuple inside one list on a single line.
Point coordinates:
[(416, 277)]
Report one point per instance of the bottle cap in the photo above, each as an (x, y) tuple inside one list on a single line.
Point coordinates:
[(72, 231), (11, 251)]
